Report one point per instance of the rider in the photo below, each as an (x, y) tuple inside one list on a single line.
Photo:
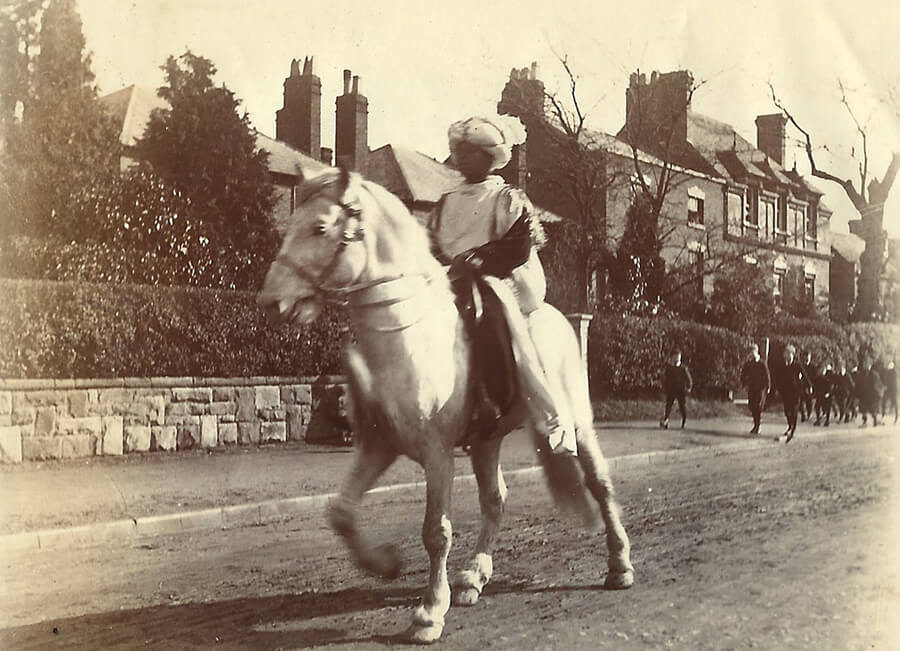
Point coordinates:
[(480, 224)]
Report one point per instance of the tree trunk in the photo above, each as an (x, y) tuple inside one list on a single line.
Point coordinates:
[(871, 262)]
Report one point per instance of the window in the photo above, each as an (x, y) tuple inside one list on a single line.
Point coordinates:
[(809, 287), (696, 268), (811, 228), (695, 210), (735, 207), (779, 284), (774, 219)]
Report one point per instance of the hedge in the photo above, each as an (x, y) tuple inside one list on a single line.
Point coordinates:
[(68, 330), (627, 354)]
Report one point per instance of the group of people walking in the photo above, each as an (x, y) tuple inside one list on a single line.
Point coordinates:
[(809, 389)]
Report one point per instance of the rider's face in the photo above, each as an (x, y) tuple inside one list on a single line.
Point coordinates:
[(473, 162)]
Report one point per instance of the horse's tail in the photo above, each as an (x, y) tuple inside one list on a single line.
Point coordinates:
[(566, 481)]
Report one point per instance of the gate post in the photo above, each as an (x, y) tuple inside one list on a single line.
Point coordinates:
[(580, 322)]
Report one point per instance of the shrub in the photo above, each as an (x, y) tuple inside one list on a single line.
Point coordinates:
[(65, 330)]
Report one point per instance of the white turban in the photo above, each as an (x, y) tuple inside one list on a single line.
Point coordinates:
[(495, 135)]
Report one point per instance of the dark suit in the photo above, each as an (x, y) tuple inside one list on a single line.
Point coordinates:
[(755, 376), (791, 382), (869, 389), (677, 382), (842, 392), (889, 400), (823, 386)]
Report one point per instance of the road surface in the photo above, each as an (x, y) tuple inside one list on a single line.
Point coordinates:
[(787, 547)]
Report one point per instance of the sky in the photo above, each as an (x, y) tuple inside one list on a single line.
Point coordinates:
[(423, 65)]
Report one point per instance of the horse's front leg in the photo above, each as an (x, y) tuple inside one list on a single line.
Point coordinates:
[(428, 619), (492, 497), (371, 461)]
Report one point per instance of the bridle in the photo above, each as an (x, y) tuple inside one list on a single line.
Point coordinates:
[(387, 291)]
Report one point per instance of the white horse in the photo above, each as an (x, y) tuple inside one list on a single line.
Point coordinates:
[(411, 386)]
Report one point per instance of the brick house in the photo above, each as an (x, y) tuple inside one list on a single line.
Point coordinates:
[(726, 197)]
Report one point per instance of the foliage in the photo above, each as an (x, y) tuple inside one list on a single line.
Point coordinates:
[(206, 152), (64, 141), (636, 271), (65, 330), (742, 299)]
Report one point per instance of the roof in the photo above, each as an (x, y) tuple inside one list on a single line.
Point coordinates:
[(848, 246), (284, 159), (131, 107), (410, 174)]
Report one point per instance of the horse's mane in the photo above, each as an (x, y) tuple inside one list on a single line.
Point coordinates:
[(415, 239)]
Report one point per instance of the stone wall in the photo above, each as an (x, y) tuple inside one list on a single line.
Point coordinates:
[(64, 419)]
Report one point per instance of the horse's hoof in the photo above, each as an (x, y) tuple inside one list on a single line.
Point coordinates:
[(384, 561), (619, 580), (424, 634), (466, 597)]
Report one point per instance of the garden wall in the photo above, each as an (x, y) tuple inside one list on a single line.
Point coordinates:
[(64, 419)]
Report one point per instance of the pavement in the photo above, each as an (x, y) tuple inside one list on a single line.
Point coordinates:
[(81, 502)]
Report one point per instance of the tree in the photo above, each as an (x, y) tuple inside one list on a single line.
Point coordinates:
[(743, 299), (64, 142), (868, 196), (206, 151)]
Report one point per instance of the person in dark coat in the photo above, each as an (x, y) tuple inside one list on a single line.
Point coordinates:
[(790, 381), (823, 389), (677, 382), (806, 394), (869, 389), (842, 392), (755, 376), (856, 374), (889, 399)]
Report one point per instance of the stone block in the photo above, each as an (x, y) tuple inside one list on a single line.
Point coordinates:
[(163, 437), (22, 413), (113, 441), (267, 397), (194, 394), (44, 421), (270, 432), (5, 420), (224, 394), (228, 433), (187, 436), (186, 409), (116, 396), (246, 403), (91, 425), (156, 409), (36, 448), (272, 413), (224, 418), (10, 444), (222, 408), (248, 433), (45, 399), (5, 403), (209, 431), (78, 445), (78, 403), (137, 438), (303, 394), (294, 422)]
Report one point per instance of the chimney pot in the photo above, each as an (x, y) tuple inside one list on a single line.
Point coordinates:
[(295, 68), (346, 81), (534, 70), (307, 66), (355, 84)]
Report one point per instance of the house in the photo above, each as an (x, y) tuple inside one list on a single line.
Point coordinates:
[(131, 108), (846, 248), (724, 198)]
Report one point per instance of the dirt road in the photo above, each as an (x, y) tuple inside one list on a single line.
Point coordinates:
[(788, 547)]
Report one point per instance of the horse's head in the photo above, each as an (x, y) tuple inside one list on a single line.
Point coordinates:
[(346, 233), (324, 248)]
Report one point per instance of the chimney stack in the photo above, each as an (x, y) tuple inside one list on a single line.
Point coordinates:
[(299, 121), (656, 112), (770, 136), (351, 133)]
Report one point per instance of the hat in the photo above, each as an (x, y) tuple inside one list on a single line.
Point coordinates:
[(495, 135)]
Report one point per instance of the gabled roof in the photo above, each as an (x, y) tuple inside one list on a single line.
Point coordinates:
[(284, 159), (131, 107), (411, 175)]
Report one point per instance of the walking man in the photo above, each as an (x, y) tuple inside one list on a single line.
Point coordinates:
[(676, 383), (889, 399), (806, 393), (790, 381), (755, 376)]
